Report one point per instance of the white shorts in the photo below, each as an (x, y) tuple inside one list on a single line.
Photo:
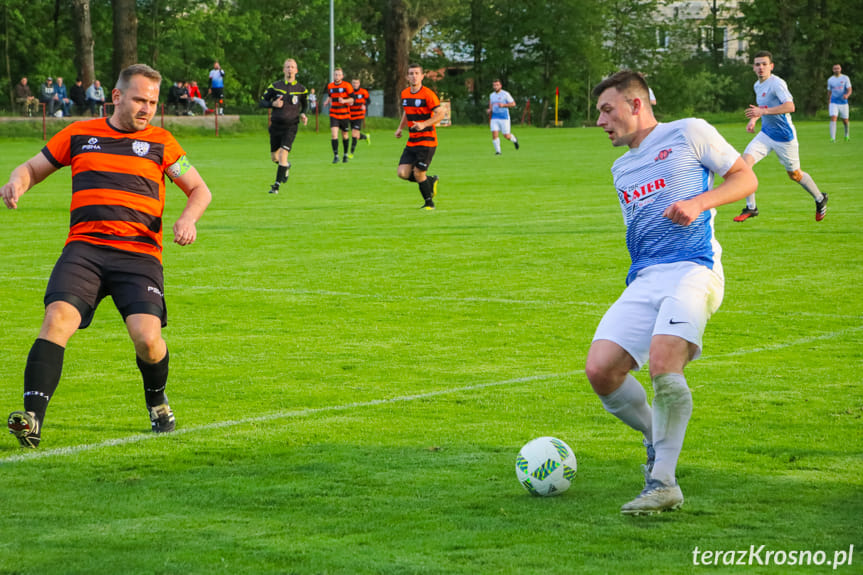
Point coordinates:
[(788, 152), (501, 126), (840, 110), (665, 299)]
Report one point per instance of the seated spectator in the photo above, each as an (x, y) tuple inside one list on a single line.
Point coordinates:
[(24, 97), (48, 96), (178, 98), (78, 95), (96, 98), (63, 97), (196, 98)]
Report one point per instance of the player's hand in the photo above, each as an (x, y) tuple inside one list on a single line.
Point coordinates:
[(10, 195), (684, 212), (305, 119), (185, 232), (398, 133), (416, 127), (754, 111), (750, 127), (278, 102)]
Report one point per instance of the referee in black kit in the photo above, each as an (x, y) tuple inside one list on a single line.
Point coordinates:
[(288, 100)]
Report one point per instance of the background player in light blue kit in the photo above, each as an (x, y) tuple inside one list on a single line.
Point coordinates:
[(499, 104), (675, 283), (839, 87), (775, 105)]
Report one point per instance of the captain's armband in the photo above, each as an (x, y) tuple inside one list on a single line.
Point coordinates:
[(178, 168)]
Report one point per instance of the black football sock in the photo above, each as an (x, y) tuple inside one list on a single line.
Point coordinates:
[(363, 136), (345, 145), (155, 379), (281, 174), (335, 143), (41, 376), (426, 187), (353, 145)]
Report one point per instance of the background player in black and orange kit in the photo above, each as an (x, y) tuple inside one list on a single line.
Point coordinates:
[(422, 112), (115, 241), (287, 99), (339, 98), (358, 113)]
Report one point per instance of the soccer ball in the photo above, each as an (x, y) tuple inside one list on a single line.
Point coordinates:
[(545, 466)]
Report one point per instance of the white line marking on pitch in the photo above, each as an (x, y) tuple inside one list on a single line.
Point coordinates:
[(72, 450)]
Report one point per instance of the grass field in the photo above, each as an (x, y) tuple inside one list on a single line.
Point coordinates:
[(353, 377)]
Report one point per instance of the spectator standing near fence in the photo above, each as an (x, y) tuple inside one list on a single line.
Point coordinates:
[(216, 87)]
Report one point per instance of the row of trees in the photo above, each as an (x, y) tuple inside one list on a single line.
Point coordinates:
[(534, 46)]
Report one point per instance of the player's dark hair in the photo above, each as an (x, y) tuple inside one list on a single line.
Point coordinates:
[(764, 54), (625, 82), (136, 70), (410, 66)]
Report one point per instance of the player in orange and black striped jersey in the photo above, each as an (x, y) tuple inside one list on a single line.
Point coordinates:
[(358, 113), (422, 112), (115, 241), (287, 100), (339, 97)]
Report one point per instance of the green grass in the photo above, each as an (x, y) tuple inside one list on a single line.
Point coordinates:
[(353, 377)]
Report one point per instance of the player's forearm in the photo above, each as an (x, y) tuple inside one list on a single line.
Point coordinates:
[(740, 181)]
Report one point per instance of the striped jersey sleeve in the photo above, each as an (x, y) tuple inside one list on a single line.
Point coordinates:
[(118, 183)]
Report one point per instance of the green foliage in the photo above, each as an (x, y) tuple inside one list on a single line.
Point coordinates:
[(353, 377), (534, 46), (806, 39)]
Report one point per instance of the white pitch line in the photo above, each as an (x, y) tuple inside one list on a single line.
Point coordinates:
[(41, 454), (72, 450)]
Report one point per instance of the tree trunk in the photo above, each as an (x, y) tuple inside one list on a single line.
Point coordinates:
[(396, 55), (125, 35), (84, 42)]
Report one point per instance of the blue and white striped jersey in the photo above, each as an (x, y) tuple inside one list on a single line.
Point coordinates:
[(675, 162), (497, 98), (770, 93)]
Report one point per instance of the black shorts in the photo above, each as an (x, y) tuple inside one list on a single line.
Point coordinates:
[(282, 136), (343, 125), (419, 157), (357, 124), (217, 94), (84, 274)]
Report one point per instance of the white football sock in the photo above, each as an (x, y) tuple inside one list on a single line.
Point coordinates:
[(832, 130), (809, 185), (513, 139), (750, 201), (629, 404), (848, 130), (496, 142), (672, 408)]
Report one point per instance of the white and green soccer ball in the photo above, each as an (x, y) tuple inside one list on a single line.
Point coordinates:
[(545, 466)]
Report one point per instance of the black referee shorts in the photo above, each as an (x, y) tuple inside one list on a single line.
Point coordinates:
[(85, 273), (282, 136)]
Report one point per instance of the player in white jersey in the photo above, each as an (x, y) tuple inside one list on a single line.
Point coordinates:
[(839, 87), (775, 105), (665, 187), (499, 104)]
